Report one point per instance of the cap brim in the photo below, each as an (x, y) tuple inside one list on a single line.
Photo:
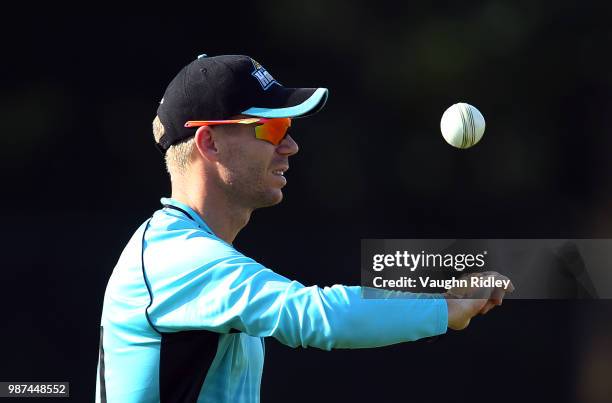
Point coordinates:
[(291, 103)]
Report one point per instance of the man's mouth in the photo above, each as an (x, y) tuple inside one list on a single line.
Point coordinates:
[(280, 171)]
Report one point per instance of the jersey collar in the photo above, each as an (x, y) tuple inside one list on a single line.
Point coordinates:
[(196, 217)]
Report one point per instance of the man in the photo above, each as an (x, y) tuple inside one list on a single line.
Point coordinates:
[(184, 312)]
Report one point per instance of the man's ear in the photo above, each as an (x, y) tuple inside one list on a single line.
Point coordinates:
[(206, 144)]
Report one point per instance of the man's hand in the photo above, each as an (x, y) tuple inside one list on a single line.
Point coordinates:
[(466, 302)]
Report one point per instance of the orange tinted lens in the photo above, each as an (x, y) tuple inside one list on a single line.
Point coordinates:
[(273, 130)]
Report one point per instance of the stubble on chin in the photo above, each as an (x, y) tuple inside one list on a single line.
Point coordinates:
[(252, 194), (266, 197)]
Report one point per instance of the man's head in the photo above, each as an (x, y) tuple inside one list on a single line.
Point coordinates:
[(250, 171), (232, 157)]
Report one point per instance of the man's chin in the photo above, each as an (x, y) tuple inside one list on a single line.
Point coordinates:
[(277, 198), (270, 199)]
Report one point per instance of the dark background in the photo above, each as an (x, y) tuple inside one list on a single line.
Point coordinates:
[(78, 95)]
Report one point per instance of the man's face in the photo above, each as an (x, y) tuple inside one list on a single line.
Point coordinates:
[(252, 170)]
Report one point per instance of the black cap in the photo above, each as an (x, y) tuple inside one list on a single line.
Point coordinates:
[(216, 88)]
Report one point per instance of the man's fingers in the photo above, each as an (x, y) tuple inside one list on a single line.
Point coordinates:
[(480, 300), (496, 299), (476, 305), (487, 307), (497, 296), (508, 287)]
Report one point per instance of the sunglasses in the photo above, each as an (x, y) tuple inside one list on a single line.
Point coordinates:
[(270, 130)]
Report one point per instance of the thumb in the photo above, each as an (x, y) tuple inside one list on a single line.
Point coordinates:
[(474, 306)]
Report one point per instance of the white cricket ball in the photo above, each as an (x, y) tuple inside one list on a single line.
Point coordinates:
[(462, 125)]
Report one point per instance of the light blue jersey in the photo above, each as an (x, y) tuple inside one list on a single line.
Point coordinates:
[(185, 315)]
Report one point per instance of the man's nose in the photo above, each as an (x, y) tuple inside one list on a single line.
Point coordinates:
[(287, 147)]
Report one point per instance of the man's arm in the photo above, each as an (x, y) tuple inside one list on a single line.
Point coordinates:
[(232, 291)]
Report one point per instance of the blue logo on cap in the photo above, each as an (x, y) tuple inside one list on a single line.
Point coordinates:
[(264, 78)]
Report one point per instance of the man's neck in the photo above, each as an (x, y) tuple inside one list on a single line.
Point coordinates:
[(223, 217)]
